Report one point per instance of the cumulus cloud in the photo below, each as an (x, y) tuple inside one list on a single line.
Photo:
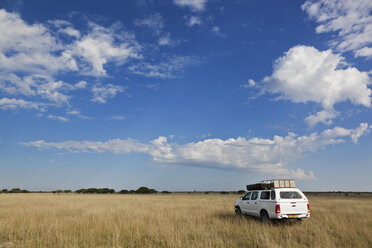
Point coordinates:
[(33, 56), (305, 74), (101, 46), (194, 5), (30, 48), (41, 85), (103, 92), (254, 154), (13, 104), (352, 20)]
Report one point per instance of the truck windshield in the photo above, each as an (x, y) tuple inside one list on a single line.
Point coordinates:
[(290, 195)]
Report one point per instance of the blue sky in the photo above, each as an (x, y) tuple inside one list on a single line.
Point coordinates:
[(185, 94)]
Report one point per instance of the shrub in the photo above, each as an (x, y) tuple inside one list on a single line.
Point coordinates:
[(15, 190), (145, 190)]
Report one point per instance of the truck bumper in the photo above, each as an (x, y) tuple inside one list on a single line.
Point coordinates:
[(292, 216)]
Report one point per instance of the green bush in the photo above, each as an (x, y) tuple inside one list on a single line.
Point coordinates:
[(145, 190)]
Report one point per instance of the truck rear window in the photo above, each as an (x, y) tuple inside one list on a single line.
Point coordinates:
[(290, 195)]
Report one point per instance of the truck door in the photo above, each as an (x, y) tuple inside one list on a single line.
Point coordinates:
[(244, 203), (254, 204)]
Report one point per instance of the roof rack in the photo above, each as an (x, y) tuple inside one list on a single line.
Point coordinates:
[(272, 184)]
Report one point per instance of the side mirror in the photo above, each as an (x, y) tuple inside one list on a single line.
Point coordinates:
[(241, 198)]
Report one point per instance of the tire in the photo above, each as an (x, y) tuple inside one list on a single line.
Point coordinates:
[(238, 212), (264, 217)]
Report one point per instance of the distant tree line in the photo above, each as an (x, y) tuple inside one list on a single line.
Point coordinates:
[(58, 191), (146, 190), (14, 190), (95, 191), (140, 190)]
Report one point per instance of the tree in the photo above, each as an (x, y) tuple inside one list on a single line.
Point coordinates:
[(124, 191), (15, 190), (145, 190)]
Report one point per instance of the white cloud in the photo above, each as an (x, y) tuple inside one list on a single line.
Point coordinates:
[(71, 32), (352, 20), (101, 46), (78, 114), (305, 74), (165, 40), (28, 48), (300, 174), (216, 30), (103, 92), (58, 118), (154, 22), (14, 104), (254, 154), (325, 116), (193, 20), (251, 83), (80, 85), (33, 56), (194, 5), (173, 67)]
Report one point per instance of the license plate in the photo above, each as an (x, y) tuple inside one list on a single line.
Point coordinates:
[(292, 216)]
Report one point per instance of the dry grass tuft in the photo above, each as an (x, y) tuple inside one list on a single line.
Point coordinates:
[(176, 220)]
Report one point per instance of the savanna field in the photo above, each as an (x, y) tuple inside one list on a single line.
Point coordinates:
[(174, 220)]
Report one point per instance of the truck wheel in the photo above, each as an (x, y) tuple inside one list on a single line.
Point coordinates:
[(238, 212), (264, 217)]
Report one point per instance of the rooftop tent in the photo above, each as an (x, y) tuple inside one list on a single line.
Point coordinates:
[(271, 184)]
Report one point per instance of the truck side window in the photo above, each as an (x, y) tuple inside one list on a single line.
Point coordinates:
[(273, 195), (265, 195), (247, 196), (254, 195)]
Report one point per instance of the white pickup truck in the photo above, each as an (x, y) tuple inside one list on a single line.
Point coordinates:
[(273, 199)]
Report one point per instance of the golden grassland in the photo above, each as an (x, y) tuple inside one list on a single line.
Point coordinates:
[(175, 220)]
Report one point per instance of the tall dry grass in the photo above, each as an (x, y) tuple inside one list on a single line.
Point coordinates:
[(176, 220)]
